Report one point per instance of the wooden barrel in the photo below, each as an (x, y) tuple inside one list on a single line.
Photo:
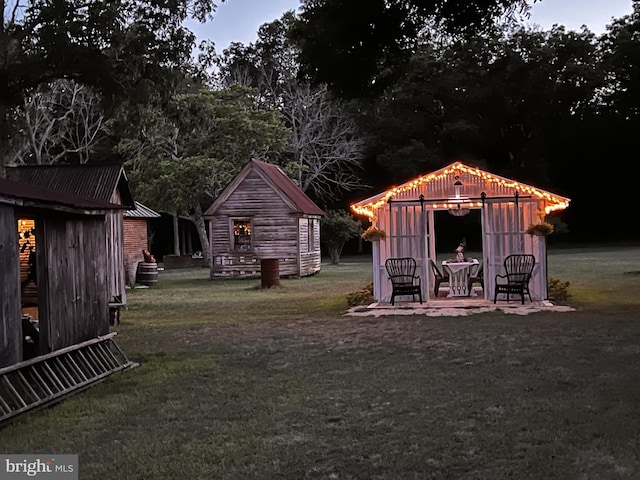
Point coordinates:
[(270, 272), (147, 274)]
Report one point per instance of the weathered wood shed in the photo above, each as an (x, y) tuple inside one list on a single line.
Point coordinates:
[(70, 236), (263, 214), (508, 207), (103, 183)]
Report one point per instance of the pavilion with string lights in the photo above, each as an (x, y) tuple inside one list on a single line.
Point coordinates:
[(508, 208)]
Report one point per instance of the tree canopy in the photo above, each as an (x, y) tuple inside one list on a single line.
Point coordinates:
[(125, 50), (358, 47), (183, 158)]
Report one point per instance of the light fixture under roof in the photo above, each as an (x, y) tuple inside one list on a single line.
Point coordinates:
[(458, 210)]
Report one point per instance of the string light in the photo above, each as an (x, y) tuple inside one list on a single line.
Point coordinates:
[(368, 207)]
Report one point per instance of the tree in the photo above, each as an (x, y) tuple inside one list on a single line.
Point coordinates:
[(359, 47), (326, 148), (621, 53), (336, 229), (185, 157), (60, 121), (129, 51), (505, 100)]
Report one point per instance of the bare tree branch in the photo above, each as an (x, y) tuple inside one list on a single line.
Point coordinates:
[(60, 122)]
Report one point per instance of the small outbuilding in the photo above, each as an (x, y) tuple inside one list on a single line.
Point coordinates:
[(407, 215), (54, 311), (103, 183), (263, 215), (68, 276)]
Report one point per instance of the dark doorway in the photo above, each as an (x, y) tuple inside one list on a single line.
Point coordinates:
[(451, 231)]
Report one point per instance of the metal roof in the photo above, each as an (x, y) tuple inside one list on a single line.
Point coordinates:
[(297, 199), (141, 211), (99, 182), (289, 188), (31, 195)]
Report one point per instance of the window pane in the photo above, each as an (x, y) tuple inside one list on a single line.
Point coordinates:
[(242, 235)]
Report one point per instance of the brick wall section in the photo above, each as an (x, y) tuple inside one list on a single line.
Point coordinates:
[(135, 240)]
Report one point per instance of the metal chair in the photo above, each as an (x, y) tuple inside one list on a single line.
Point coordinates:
[(404, 281), (519, 269), (439, 277)]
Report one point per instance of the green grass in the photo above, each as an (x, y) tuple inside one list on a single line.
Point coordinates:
[(240, 382)]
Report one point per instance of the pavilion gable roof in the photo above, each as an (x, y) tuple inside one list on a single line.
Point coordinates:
[(439, 191)]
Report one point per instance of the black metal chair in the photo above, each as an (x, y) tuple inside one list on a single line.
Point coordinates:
[(476, 277), (438, 276), (404, 281), (519, 269)]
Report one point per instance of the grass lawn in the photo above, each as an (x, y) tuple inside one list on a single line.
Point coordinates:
[(237, 382)]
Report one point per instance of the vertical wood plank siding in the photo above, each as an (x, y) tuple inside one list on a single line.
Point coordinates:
[(10, 309), (75, 280), (114, 250)]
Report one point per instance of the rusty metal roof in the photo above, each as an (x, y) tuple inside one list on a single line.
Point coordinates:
[(99, 182), (289, 188), (141, 211), (34, 196), (273, 175)]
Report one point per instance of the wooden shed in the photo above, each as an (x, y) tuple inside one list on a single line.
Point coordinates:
[(68, 346), (103, 183), (262, 214), (70, 274), (407, 214)]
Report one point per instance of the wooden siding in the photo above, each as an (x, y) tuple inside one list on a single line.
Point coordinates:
[(442, 188), (115, 254), (274, 231), (10, 309), (74, 282), (310, 261)]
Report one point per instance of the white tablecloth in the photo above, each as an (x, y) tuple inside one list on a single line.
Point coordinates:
[(459, 274)]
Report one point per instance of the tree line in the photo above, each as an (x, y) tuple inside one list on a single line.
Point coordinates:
[(345, 109)]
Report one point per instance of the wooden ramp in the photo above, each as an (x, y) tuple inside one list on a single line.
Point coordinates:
[(49, 378)]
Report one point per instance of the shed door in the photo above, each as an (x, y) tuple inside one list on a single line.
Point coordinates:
[(10, 328), (407, 230), (73, 286), (504, 224)]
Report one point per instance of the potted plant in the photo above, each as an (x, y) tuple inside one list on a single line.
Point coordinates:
[(373, 233), (541, 228)]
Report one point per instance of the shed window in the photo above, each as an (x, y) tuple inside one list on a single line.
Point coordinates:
[(242, 234), (311, 235)]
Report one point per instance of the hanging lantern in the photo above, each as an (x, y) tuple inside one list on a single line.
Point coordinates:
[(458, 210), (457, 187)]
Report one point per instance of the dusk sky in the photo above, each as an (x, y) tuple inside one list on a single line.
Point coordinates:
[(239, 20)]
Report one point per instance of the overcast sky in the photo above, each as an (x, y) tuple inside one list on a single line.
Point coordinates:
[(239, 20)]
